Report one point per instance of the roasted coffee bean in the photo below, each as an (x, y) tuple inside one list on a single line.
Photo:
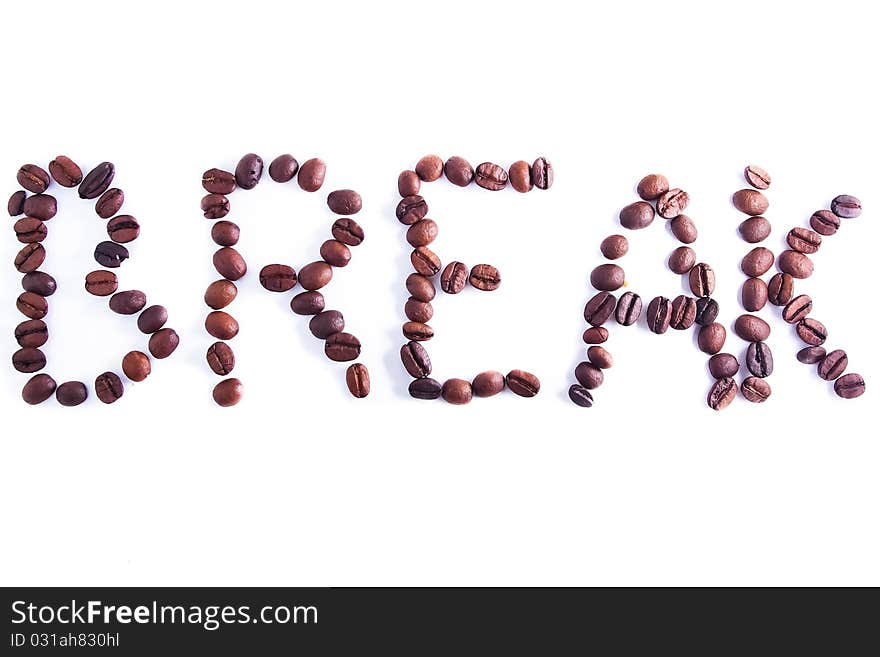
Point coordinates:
[(425, 389), (607, 277), (311, 175), (408, 183), (65, 171), (614, 247), (457, 391), (522, 383), (750, 202), (41, 206), (218, 181), (588, 375), (520, 174), (248, 171), (417, 331), (580, 396), (825, 222), (755, 389), (659, 314), (411, 209), (357, 378), (123, 229), (110, 254), (342, 347), (652, 186), (109, 203), (795, 264), (315, 275), (347, 231), (706, 311), (229, 263), (600, 357), (422, 233), (28, 360), (755, 229), (215, 206), (278, 278), (97, 181), (759, 359), (221, 325), (15, 205), (757, 177), (163, 342), (488, 384), (596, 335), (723, 366), (152, 319), (780, 289), (751, 328), (684, 312), (283, 168), (721, 394), (702, 280), (221, 358), (326, 323), (754, 294), (757, 262), (31, 333), (136, 366), (335, 253), (542, 173), (307, 303), (485, 277), (804, 240), (629, 309), (599, 308), (416, 360), (33, 178), (108, 387), (425, 261), (491, 176), (636, 215), (454, 277), (458, 171), (101, 283), (811, 355), (711, 338), (684, 229), (39, 388), (39, 282), (225, 233), (128, 302), (344, 201), (846, 206), (682, 259), (32, 306), (228, 392), (797, 309), (672, 203), (220, 294), (418, 311), (429, 168), (420, 287), (849, 386), (833, 365), (71, 393), (811, 331)]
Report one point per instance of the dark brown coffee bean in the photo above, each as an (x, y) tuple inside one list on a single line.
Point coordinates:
[(458, 171), (335, 253), (218, 181), (39, 282), (311, 175), (228, 392), (32, 306), (485, 277), (221, 358), (429, 168), (588, 375), (520, 174), (757, 262), (672, 203), (71, 393), (754, 294), (754, 229), (797, 309), (811, 355), (347, 231), (702, 280), (849, 386), (315, 275), (721, 394), (418, 311), (221, 325), (804, 240), (28, 360), (101, 283), (600, 357), (326, 323), (33, 178), (684, 229), (248, 171), (229, 263), (795, 264), (357, 378), (607, 277), (425, 389), (659, 314), (614, 247), (41, 206), (417, 331), (65, 171), (136, 366), (825, 222), (751, 328), (15, 205), (110, 254), (109, 203), (454, 277), (152, 319), (108, 387), (522, 383), (759, 359), (408, 183), (723, 366), (780, 289), (123, 229), (596, 335), (488, 384), (457, 391), (344, 201), (637, 215), (757, 177), (420, 287), (163, 342), (491, 176), (599, 308), (278, 278), (416, 360), (215, 206), (629, 309), (542, 173), (283, 168), (225, 233), (411, 209), (682, 259), (846, 206), (711, 338), (422, 233), (220, 294), (307, 303), (811, 331), (684, 312), (128, 302), (755, 390), (706, 311), (31, 333), (342, 347), (750, 202), (97, 181), (39, 388), (425, 261), (652, 186), (833, 365), (580, 396)]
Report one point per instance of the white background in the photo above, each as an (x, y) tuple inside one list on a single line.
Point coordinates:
[(303, 485)]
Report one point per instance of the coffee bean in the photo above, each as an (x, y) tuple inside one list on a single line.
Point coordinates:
[(520, 174), (335, 253), (228, 392), (488, 384), (804, 240), (357, 378), (542, 173), (31, 333), (225, 233), (408, 183), (347, 231), (721, 394), (218, 181), (108, 387), (307, 303), (128, 302), (278, 278), (152, 319), (757, 177), (637, 215), (682, 259), (311, 175), (110, 254), (215, 206), (811, 355), (755, 390), (672, 203), (849, 386), (797, 309), (97, 181), (588, 375), (707, 311), (702, 280), (123, 229), (65, 171), (28, 360), (750, 202), (136, 366), (491, 176), (485, 278), (711, 338), (326, 323), (607, 277), (723, 366), (221, 325), (614, 247), (684, 313), (425, 389), (422, 233), (757, 262), (754, 294), (825, 222), (344, 201), (220, 294), (41, 206), (315, 275), (163, 342), (15, 205), (795, 264), (599, 308), (684, 229), (420, 287), (33, 178), (32, 306), (342, 347), (780, 289), (751, 328), (596, 335), (454, 277), (283, 168), (109, 203), (652, 186), (846, 206), (429, 168), (425, 261), (30, 231), (417, 331), (101, 283), (418, 311), (522, 383), (580, 396), (221, 358), (659, 314), (229, 263), (811, 331), (411, 209), (629, 309), (415, 359), (755, 229), (833, 365), (39, 282), (248, 171), (71, 393), (759, 359), (458, 171), (39, 388), (600, 357), (457, 391)]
